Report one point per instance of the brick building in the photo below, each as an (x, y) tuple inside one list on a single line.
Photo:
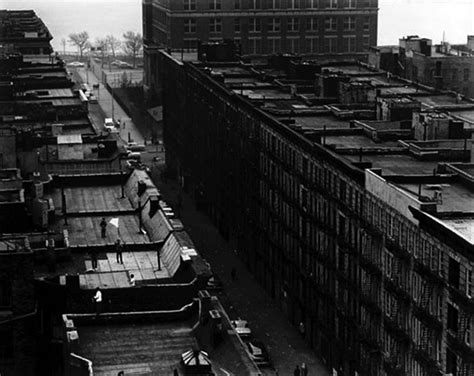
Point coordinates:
[(18, 325), (345, 222), (260, 26), (442, 66), (24, 32)]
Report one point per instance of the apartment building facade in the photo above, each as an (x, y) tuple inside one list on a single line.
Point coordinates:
[(378, 292)]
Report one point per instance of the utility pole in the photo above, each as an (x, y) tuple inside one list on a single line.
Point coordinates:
[(112, 92)]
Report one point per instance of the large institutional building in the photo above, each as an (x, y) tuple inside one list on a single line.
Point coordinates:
[(260, 27), (264, 26), (349, 194)]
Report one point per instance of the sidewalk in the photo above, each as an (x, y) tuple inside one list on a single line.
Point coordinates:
[(105, 101), (243, 297)]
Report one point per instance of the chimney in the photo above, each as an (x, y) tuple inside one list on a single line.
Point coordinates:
[(154, 205)]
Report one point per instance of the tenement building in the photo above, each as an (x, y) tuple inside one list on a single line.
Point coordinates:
[(98, 276), (348, 193), (259, 26)]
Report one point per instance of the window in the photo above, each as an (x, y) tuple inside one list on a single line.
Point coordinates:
[(366, 41), (349, 23), (351, 3), (254, 25), (451, 362), (255, 45), (189, 26), (255, 4), (312, 44), (452, 318), (214, 4), (275, 45), (467, 334), (330, 24), (189, 4), (236, 4), (330, 44), (294, 45), (293, 24), (274, 4), (190, 44), (274, 25), (313, 4), (349, 44), (5, 293), (466, 74), (237, 25), (332, 4), (453, 273), (389, 261), (469, 282), (366, 24), (312, 24), (294, 4), (215, 25)]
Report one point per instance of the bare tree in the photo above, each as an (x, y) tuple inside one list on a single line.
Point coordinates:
[(81, 40), (102, 46), (133, 43), (113, 43)]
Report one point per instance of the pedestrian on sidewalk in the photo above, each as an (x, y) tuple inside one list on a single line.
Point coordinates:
[(118, 251), (103, 228), (304, 369), (97, 301), (233, 273), (132, 280), (297, 371), (301, 329)]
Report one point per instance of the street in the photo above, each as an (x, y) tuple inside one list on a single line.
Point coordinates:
[(242, 296)]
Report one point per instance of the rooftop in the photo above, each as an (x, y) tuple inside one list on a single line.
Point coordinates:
[(150, 348), (369, 134)]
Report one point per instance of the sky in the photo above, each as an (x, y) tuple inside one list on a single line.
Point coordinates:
[(397, 18)]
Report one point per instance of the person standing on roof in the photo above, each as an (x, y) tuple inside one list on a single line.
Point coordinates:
[(103, 228), (94, 258), (97, 301), (118, 251)]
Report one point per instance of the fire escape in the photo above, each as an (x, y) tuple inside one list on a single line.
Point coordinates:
[(369, 295), (395, 284)]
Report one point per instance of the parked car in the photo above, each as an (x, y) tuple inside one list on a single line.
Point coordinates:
[(257, 352), (133, 146), (124, 64), (93, 99), (76, 64), (241, 327), (109, 124)]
